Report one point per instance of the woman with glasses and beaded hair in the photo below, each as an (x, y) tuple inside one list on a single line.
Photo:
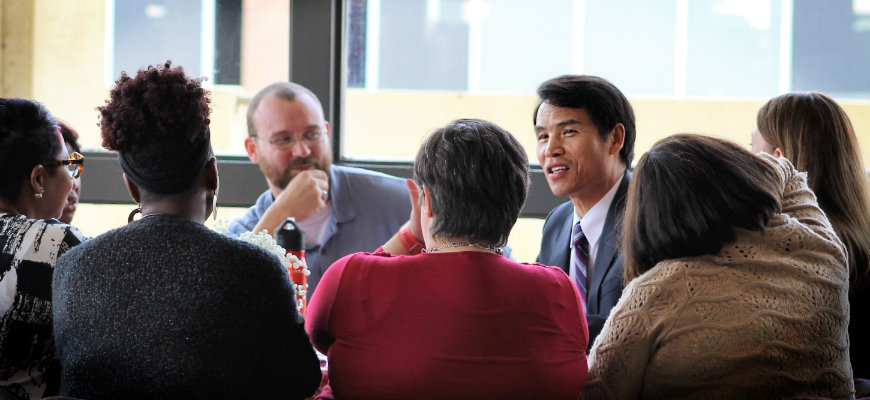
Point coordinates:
[(37, 176), (460, 320), (164, 307)]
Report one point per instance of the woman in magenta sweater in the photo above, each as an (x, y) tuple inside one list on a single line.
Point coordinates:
[(459, 320)]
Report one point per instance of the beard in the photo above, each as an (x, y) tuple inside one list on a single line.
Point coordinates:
[(281, 177)]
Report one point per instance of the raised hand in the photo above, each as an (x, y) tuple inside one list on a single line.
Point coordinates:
[(414, 220), (306, 194)]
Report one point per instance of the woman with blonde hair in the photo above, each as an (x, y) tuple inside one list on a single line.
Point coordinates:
[(815, 134)]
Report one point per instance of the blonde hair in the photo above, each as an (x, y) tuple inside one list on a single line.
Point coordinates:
[(815, 134)]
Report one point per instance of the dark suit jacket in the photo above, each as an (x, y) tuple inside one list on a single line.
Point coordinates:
[(605, 285)]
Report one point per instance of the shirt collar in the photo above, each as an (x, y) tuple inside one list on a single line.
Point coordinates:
[(593, 222)]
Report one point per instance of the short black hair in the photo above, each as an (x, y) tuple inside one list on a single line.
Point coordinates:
[(28, 137), (478, 177), (603, 102), (688, 194), (155, 119)]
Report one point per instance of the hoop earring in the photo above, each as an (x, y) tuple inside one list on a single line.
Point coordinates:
[(135, 211)]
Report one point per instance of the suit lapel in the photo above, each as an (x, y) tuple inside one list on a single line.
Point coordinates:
[(563, 242), (556, 236), (607, 245)]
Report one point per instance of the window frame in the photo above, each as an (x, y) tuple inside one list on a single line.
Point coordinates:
[(316, 31), (322, 40)]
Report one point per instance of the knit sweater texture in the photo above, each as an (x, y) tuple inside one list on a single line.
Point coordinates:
[(764, 317), (166, 308)]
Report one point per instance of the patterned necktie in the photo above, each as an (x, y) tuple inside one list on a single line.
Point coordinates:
[(580, 259)]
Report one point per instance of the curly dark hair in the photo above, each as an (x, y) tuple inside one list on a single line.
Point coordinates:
[(152, 119), (160, 104), (27, 137)]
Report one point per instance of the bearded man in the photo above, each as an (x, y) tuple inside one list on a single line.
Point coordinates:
[(342, 210)]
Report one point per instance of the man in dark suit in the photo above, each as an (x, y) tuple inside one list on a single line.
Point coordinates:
[(585, 131)]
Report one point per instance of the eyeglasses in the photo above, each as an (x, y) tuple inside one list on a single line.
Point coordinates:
[(74, 164), (284, 142)]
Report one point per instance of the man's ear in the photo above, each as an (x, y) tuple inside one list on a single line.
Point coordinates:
[(251, 148), (617, 138), (133, 189), (328, 128)]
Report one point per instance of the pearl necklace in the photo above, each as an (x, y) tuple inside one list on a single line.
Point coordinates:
[(496, 250)]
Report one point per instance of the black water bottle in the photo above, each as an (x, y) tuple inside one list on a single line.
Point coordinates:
[(292, 238)]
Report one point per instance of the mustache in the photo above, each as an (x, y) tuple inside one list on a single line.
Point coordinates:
[(302, 161)]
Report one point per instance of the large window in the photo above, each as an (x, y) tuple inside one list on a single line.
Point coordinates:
[(236, 46), (421, 63), (704, 66), (390, 71), (145, 31)]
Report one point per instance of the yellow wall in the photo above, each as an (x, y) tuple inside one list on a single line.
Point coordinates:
[(16, 51), (265, 42), (405, 117), (68, 61)]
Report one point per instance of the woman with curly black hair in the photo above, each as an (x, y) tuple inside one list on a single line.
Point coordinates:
[(37, 177), (165, 307)]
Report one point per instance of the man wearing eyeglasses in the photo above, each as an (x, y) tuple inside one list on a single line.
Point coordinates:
[(342, 210)]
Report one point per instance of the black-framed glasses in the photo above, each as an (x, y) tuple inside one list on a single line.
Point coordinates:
[(284, 142), (74, 164)]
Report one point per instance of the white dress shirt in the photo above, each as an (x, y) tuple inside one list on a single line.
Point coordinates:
[(592, 224)]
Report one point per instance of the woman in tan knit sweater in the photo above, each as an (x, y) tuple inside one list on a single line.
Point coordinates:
[(738, 284)]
